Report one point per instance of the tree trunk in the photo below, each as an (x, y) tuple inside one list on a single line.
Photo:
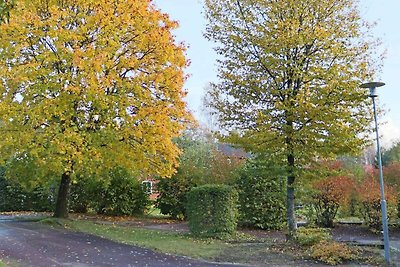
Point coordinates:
[(290, 205), (291, 217), (62, 198)]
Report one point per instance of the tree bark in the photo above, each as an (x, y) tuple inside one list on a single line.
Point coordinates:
[(61, 210), (291, 217), (290, 201)]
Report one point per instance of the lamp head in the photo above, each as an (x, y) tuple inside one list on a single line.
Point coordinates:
[(372, 87)]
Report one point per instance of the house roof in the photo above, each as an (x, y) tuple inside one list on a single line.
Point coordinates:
[(231, 151)]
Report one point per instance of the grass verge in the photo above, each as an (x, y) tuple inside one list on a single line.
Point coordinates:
[(9, 263), (174, 243), (241, 249)]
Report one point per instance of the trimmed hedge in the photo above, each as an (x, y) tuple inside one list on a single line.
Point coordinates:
[(212, 210), (262, 197)]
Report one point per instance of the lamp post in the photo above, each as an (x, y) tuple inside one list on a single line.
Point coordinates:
[(372, 88)]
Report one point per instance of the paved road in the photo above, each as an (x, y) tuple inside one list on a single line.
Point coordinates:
[(33, 244)]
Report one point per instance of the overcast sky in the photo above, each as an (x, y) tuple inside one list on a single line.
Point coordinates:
[(203, 59)]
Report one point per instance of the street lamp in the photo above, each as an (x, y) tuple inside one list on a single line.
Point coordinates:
[(372, 89)]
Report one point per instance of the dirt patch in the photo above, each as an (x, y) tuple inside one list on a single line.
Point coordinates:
[(351, 232), (162, 224), (265, 234)]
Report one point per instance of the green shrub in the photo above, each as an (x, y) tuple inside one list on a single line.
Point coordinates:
[(13, 197), (124, 195), (261, 197), (311, 236), (86, 194), (212, 211), (332, 252), (41, 199), (172, 195), (372, 214), (79, 198)]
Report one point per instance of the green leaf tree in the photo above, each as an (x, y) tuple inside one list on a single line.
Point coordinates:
[(289, 79), (89, 85), (204, 161), (391, 155)]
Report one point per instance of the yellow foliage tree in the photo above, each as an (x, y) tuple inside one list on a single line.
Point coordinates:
[(289, 74), (90, 84)]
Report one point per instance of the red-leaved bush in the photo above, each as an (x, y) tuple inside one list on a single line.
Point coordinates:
[(391, 174), (330, 194), (370, 198)]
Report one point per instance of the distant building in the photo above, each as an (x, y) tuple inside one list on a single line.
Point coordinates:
[(232, 152)]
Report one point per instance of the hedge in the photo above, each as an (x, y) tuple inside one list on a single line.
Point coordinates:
[(212, 210), (261, 197)]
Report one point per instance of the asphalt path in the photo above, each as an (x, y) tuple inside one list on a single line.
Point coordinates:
[(34, 244)]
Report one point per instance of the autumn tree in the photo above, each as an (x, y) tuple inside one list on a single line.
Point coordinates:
[(89, 85), (289, 76), (5, 7)]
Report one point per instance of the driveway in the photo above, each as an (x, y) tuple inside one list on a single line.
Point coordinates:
[(34, 244)]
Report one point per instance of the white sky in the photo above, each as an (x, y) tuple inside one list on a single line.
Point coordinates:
[(203, 58)]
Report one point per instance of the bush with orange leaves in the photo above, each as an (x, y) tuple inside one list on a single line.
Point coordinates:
[(330, 194), (370, 198), (391, 174)]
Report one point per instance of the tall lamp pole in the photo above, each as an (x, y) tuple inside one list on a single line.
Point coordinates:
[(372, 89)]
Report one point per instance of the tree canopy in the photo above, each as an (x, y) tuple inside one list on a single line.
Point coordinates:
[(392, 154), (5, 7), (88, 85), (289, 78)]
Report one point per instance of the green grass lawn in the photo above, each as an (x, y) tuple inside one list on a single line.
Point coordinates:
[(163, 241), (241, 249), (8, 263)]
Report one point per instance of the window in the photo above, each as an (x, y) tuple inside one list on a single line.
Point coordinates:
[(147, 187)]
